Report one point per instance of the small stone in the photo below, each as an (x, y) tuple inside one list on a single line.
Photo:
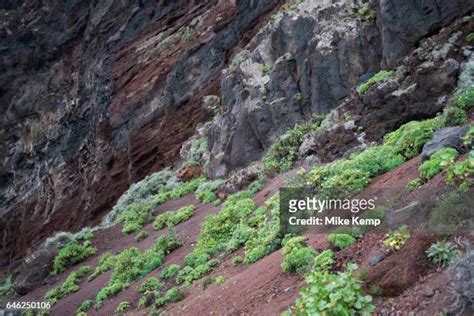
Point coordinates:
[(429, 291), (376, 258)]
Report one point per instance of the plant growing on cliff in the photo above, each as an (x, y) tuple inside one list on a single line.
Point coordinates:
[(465, 100), (174, 218), (470, 37), (439, 161), (462, 173), (297, 257), (6, 286), (106, 262), (206, 191), (341, 241), (378, 77), (452, 214), (186, 33), (333, 294), (141, 236), (70, 254), (414, 184), (170, 271), (85, 306), (397, 238), (69, 286), (283, 153), (454, 116), (122, 307), (468, 138), (442, 253)]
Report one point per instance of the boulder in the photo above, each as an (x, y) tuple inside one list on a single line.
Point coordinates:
[(445, 137), (189, 172), (240, 179), (34, 271), (399, 217)]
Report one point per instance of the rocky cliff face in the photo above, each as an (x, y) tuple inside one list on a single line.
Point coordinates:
[(306, 61), (97, 94)]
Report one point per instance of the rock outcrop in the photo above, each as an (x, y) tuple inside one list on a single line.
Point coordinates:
[(95, 95), (307, 61)]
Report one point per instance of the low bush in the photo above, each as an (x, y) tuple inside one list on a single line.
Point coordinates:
[(206, 191), (323, 261), (468, 138), (341, 241), (173, 217), (378, 77), (442, 253), (218, 280), (106, 262), (297, 257), (85, 306), (174, 294), (237, 260), (439, 161), (465, 100), (141, 236), (462, 173), (69, 286), (414, 184), (282, 154), (122, 307), (333, 294), (454, 116), (170, 271), (71, 254), (6, 286), (397, 238), (151, 285), (452, 214)]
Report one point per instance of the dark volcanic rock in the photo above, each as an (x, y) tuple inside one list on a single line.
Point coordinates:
[(404, 22), (445, 137), (32, 274), (95, 95)]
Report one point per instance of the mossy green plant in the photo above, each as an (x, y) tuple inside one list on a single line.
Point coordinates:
[(378, 77), (442, 159)]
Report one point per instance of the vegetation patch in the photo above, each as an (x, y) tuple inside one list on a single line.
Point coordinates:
[(170, 271), (141, 236), (85, 306), (442, 253), (341, 241), (297, 257), (122, 307), (439, 161), (173, 217), (6, 286), (333, 294), (378, 77), (71, 254), (454, 116), (462, 173), (106, 263), (465, 100), (283, 153), (452, 214), (397, 238), (69, 286)]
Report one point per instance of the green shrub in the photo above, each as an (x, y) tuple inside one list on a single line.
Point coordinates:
[(439, 161), (106, 262), (470, 37), (451, 214), (298, 97), (122, 307), (378, 77), (333, 294), (206, 196), (141, 236), (186, 33), (442, 253), (341, 241), (174, 295), (468, 138), (238, 60), (173, 218), (69, 286), (71, 254), (283, 153), (218, 280), (397, 238), (237, 260), (462, 173), (414, 184), (265, 69), (297, 258), (6, 286), (454, 116), (465, 100), (170, 271), (188, 274), (85, 306), (151, 285), (409, 139), (323, 261)]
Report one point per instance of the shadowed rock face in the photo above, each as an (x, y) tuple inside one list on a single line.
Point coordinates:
[(95, 95)]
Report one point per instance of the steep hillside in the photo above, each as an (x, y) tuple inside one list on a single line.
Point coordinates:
[(149, 148)]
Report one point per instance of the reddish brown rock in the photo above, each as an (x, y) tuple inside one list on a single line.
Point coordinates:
[(189, 172)]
